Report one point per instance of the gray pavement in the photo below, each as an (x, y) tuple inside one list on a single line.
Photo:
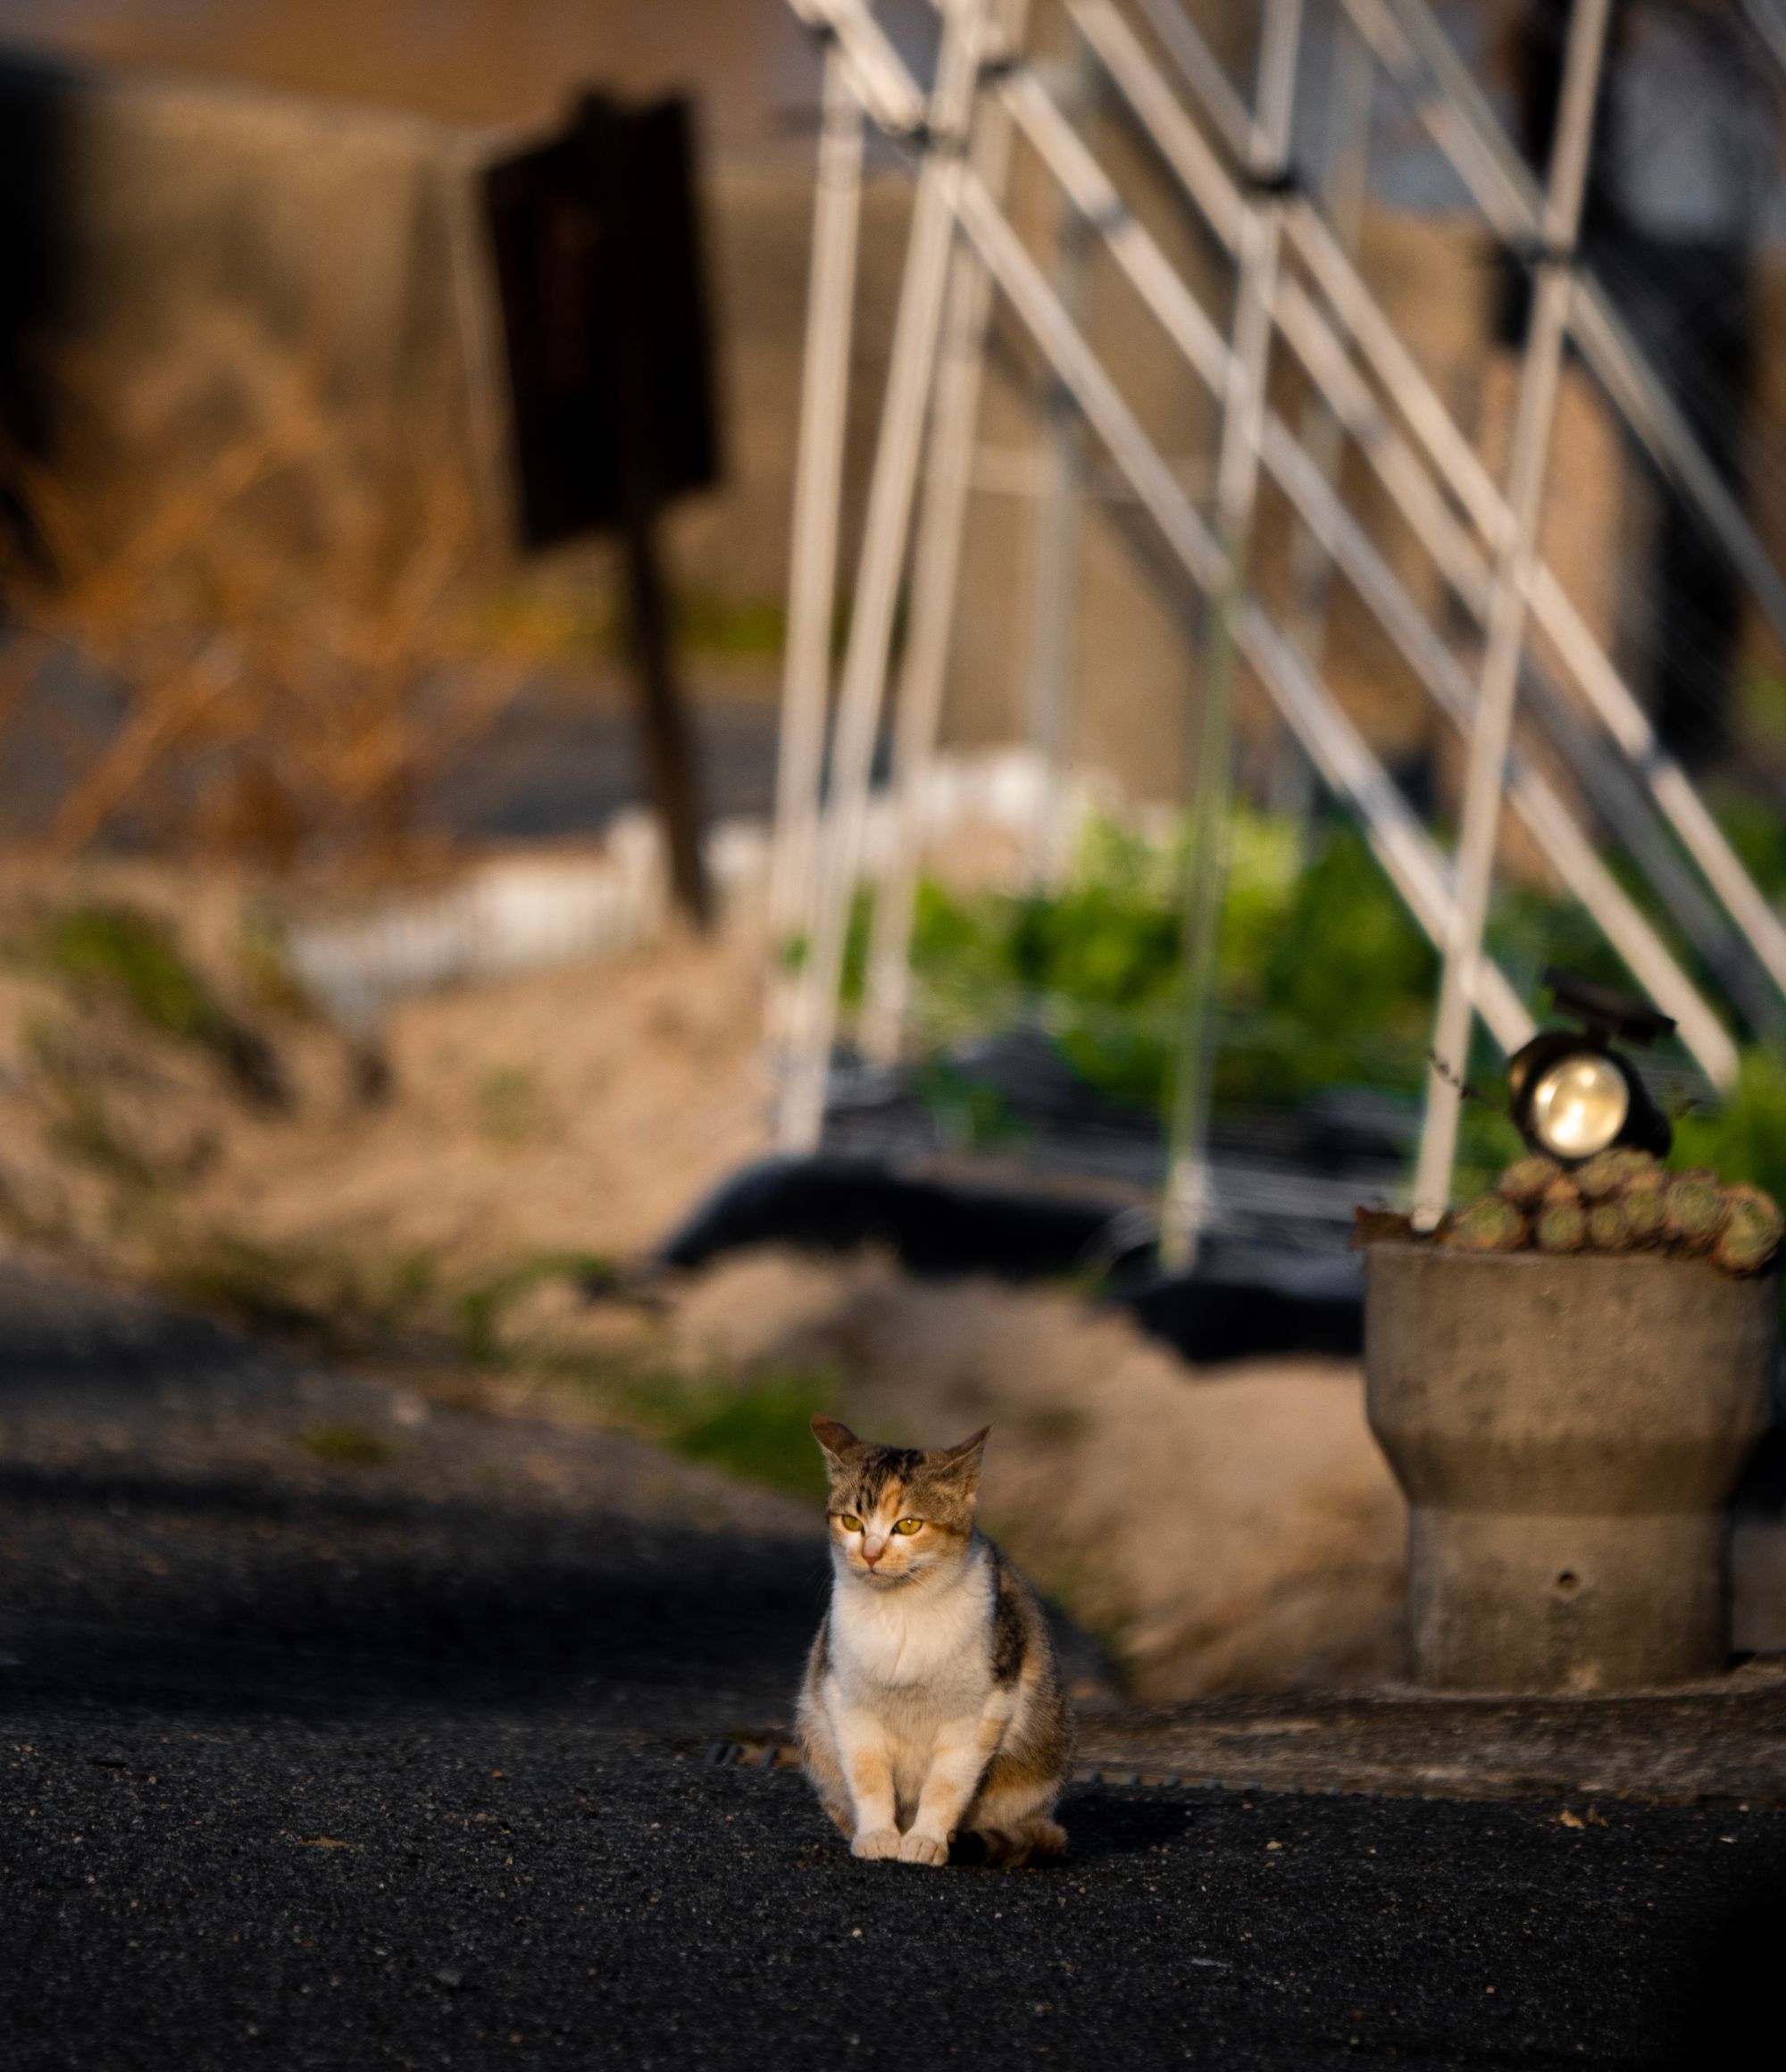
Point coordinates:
[(404, 1761)]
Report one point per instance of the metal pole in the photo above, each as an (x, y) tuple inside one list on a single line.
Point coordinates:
[(876, 72), (1345, 762), (1324, 435), (1185, 1207), (882, 562), (1401, 845), (948, 467), (1188, 327), (1486, 774), (1227, 108), (1327, 361), (818, 496), (1554, 828), (1462, 124), (1054, 614), (1407, 852)]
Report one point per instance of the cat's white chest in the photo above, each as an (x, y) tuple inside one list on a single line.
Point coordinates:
[(909, 1641)]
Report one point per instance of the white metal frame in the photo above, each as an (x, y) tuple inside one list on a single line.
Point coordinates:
[(1182, 317), (962, 247), (1459, 468), (1491, 725), (1447, 450), (915, 335), (1187, 1204), (818, 500), (947, 472)]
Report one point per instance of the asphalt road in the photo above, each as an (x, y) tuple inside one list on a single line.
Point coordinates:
[(308, 1763)]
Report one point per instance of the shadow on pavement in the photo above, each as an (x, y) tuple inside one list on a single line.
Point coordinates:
[(238, 1598), (169, 1536)]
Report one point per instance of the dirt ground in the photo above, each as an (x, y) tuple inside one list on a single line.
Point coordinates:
[(437, 1210), (581, 1109)]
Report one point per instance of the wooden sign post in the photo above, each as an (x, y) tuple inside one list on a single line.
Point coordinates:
[(599, 264)]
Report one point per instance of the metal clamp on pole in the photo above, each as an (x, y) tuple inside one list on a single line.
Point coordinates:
[(949, 465), (1491, 735), (1237, 480), (882, 562), (818, 496)]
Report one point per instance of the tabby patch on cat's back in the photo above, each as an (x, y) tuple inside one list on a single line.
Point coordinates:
[(933, 1705)]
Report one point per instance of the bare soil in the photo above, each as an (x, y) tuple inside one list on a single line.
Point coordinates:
[(578, 1110), (1220, 1531)]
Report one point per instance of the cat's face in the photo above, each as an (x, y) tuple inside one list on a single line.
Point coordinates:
[(897, 1513)]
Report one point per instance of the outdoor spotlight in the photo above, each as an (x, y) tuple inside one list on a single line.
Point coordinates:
[(1572, 1094)]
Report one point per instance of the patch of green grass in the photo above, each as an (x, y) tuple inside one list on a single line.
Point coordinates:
[(1058, 1423), (263, 962), (1755, 831), (480, 1309), (85, 1133), (249, 1285), (345, 1445), (1761, 703), (761, 1429), (341, 1303), (133, 957), (973, 1115)]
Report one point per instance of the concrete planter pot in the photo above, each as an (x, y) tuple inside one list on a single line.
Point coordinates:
[(1566, 1431)]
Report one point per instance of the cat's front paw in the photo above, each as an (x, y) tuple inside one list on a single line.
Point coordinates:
[(916, 1847), (874, 1844)]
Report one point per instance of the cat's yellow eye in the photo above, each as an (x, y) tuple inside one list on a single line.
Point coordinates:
[(908, 1527), (849, 1523)]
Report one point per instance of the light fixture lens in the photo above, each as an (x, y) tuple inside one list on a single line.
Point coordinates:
[(1579, 1106)]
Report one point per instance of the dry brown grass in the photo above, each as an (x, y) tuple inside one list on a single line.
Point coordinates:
[(301, 630)]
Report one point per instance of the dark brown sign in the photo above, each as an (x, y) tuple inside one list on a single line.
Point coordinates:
[(598, 260)]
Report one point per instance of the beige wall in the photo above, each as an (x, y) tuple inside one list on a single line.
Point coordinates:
[(462, 61), (235, 246)]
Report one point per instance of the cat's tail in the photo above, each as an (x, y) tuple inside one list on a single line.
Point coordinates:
[(1011, 1847)]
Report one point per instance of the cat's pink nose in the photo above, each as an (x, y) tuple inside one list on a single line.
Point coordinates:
[(871, 1554)]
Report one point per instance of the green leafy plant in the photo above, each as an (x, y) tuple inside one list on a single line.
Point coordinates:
[(1326, 981), (134, 957), (1744, 1139)]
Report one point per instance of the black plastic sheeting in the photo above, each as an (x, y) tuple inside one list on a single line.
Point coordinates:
[(1241, 1303)]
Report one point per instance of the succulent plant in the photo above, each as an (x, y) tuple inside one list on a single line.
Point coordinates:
[(1561, 1226), (1526, 1179), (1752, 1231), (1486, 1225), (1612, 1173), (1645, 1215), (1695, 1209), (1620, 1201)]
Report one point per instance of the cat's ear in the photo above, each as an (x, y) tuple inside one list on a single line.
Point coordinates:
[(960, 1464), (838, 1440)]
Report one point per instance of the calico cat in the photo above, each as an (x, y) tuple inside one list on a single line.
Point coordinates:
[(932, 1703)]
